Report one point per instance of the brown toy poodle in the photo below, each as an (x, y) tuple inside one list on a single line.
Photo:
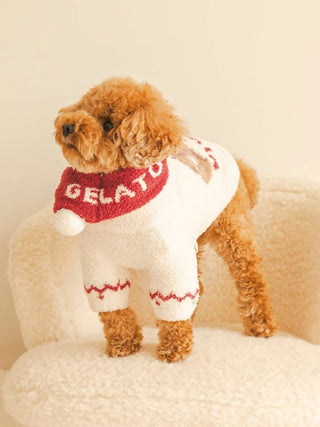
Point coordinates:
[(129, 153)]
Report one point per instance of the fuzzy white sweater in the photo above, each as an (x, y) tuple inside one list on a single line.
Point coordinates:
[(147, 219)]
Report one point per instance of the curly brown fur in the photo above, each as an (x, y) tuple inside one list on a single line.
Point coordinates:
[(144, 128), (232, 236), (176, 340), (122, 332)]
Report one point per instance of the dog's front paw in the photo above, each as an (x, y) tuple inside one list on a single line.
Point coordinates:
[(118, 347), (175, 340), (122, 332)]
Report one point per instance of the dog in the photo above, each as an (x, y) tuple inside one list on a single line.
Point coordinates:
[(143, 195)]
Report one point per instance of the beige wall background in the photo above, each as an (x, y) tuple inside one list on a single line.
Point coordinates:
[(243, 73)]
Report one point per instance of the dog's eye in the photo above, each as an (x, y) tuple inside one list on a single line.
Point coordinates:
[(107, 125)]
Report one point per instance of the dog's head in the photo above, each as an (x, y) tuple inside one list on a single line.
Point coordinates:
[(118, 124)]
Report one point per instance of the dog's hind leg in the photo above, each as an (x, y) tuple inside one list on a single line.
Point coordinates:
[(232, 236)]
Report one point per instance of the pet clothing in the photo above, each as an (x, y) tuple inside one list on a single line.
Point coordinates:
[(147, 219)]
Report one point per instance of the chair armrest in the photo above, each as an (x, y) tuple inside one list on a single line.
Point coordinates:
[(290, 244), (46, 283)]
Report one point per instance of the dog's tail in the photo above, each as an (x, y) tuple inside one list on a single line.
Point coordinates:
[(251, 181)]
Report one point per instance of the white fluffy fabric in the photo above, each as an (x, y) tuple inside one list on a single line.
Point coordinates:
[(5, 419), (230, 379), (157, 235)]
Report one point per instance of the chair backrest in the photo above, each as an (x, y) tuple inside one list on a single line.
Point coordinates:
[(45, 277)]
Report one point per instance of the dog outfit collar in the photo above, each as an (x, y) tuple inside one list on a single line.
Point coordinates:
[(98, 197)]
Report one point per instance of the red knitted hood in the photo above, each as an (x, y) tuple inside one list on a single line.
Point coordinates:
[(98, 197)]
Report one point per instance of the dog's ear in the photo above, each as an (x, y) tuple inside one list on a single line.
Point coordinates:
[(149, 134)]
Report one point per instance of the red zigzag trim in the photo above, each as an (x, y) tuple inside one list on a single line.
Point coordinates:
[(107, 286), (172, 296)]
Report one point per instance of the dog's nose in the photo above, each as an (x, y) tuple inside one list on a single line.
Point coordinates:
[(67, 129)]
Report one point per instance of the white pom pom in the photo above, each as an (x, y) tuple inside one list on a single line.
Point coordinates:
[(68, 223)]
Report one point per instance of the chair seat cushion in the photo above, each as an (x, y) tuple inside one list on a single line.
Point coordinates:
[(230, 379)]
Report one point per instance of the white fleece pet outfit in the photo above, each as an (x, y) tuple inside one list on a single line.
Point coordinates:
[(146, 219)]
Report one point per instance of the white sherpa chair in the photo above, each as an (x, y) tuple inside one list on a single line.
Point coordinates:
[(65, 378)]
